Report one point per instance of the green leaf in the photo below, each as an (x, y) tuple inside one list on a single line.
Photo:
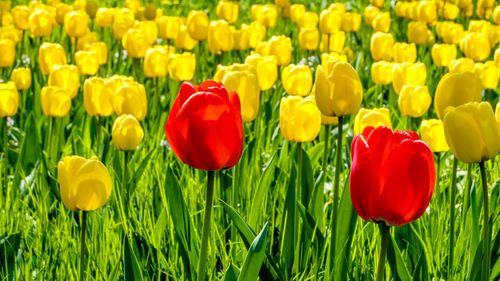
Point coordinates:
[(260, 194), (131, 268), (30, 147), (396, 262), (247, 234), (307, 179), (290, 222), (254, 258), (232, 273), (140, 171), (9, 254), (421, 273)]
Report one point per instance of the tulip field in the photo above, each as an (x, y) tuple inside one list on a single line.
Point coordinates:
[(250, 140)]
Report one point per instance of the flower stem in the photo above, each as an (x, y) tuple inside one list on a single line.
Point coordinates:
[(299, 172), (338, 167), (486, 230), (453, 190), (82, 245), (125, 183), (325, 153), (98, 141), (384, 232), (206, 226)]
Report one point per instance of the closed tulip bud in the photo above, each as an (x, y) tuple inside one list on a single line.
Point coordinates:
[(418, 33), (197, 25), (87, 62), (443, 54), (257, 34), (329, 21), (404, 52), (381, 72), (97, 97), (339, 91), (371, 118), (9, 99), (40, 23), (472, 132), (101, 49), (123, 20), (50, 54), (414, 101), (297, 80), (309, 19), (408, 74), (104, 17), (131, 99), (309, 38), (220, 37), (455, 89), (488, 74), (21, 76), (76, 23), (432, 133), (335, 41), (61, 10), (85, 184), (267, 14), (351, 22), (228, 11), (462, 65), (21, 14), (382, 22), (337, 7), (155, 63), (56, 102), (370, 13), (476, 46), (127, 133), (181, 67), (281, 48), (184, 40), (377, 3), (427, 12), (241, 37), (266, 68), (300, 119), (402, 9), (382, 46), (8, 51), (449, 11), (297, 11), (65, 77), (169, 27), (135, 43)]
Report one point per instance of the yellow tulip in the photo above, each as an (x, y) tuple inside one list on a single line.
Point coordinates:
[(404, 52), (309, 19), (484, 8), (427, 12), (156, 62), (329, 21), (21, 14), (127, 133), (131, 99), (377, 3), (402, 9), (497, 113), (104, 17), (432, 133), (8, 51), (462, 65), (101, 49), (40, 23), (197, 25), (479, 26), (281, 48), (300, 119), (337, 7), (309, 38), (184, 40), (472, 132), (10, 32), (476, 46), (408, 74), (370, 13), (381, 72), (382, 46), (496, 15), (339, 91), (149, 29), (455, 89), (228, 10), (115, 82), (181, 67), (382, 22), (266, 68), (371, 118), (21, 76), (414, 101), (333, 42), (488, 74), (9, 99), (87, 62), (296, 12), (452, 33), (97, 98), (88, 38), (297, 80), (56, 102), (76, 23), (85, 184), (135, 43), (267, 14), (241, 37), (50, 54), (65, 77), (418, 33), (326, 57), (257, 34), (242, 78), (351, 22), (169, 27), (220, 37), (61, 10), (123, 20), (443, 54)]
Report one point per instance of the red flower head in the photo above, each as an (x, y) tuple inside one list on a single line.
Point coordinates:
[(392, 175), (204, 127)]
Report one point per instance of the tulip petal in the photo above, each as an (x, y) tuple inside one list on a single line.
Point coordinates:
[(92, 186), (362, 173)]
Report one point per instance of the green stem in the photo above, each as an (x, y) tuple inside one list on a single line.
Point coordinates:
[(486, 230), (467, 191), (125, 183), (299, 170), (98, 140), (325, 153), (338, 167), (58, 135), (453, 190), (206, 226), (384, 233), (49, 144), (82, 245), (5, 149)]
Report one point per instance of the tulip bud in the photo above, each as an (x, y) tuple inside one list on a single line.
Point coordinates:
[(56, 102), (496, 15), (370, 13), (181, 67), (371, 118), (197, 25), (281, 48), (381, 46), (488, 74), (309, 38), (309, 19), (76, 23), (135, 42), (297, 11), (220, 37), (104, 17), (432, 133), (11, 33), (339, 91), (9, 99), (156, 62), (452, 33), (297, 80), (408, 74), (472, 132), (123, 20), (184, 40), (169, 27), (443, 54), (267, 14), (87, 62), (382, 22), (131, 99), (418, 33), (300, 119), (414, 101), (97, 98), (266, 68), (8, 51), (337, 7), (381, 73), (50, 54), (40, 23), (335, 41), (404, 52), (65, 77), (85, 184), (427, 12), (228, 11), (351, 22), (402, 8), (241, 37), (462, 65), (476, 46), (127, 133), (21, 14), (329, 21), (22, 78), (101, 49), (82, 42)]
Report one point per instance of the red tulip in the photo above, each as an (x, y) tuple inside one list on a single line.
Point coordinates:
[(204, 127), (392, 175)]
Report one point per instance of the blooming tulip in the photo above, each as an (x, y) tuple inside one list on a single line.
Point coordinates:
[(418, 33), (169, 27), (204, 126), (101, 49), (403, 52), (220, 37), (104, 17), (382, 22), (432, 133), (297, 80), (123, 20), (414, 101), (351, 22), (241, 37), (50, 54), (21, 76), (127, 133), (381, 46), (377, 3), (308, 38), (87, 62), (266, 68), (228, 11), (40, 23), (184, 40), (300, 119), (408, 74), (131, 99), (476, 46), (9, 99), (197, 25), (8, 51), (267, 14), (488, 74), (21, 14), (181, 67), (329, 21), (309, 19), (371, 118), (97, 98), (135, 42), (83, 41), (156, 62), (462, 65), (333, 42), (296, 12), (76, 23), (56, 102), (370, 13), (443, 54), (381, 73), (427, 12), (281, 48), (85, 184), (257, 34), (65, 77), (397, 170), (452, 33)]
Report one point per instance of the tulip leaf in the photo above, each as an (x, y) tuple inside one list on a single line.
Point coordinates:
[(30, 147), (254, 258), (9, 255), (307, 179), (495, 258), (290, 225), (131, 268), (260, 194), (310, 225), (421, 273), (396, 261), (132, 183), (232, 273)]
